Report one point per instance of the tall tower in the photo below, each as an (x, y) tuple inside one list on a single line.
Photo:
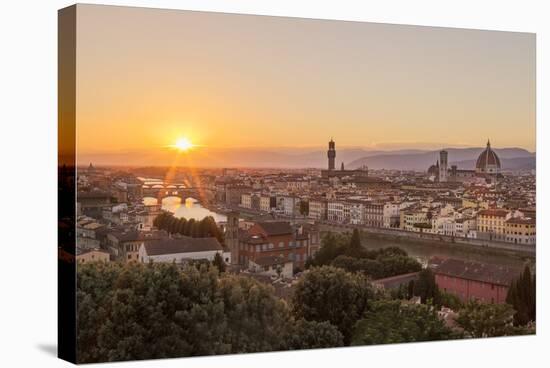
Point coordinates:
[(443, 166), (331, 153), (232, 236)]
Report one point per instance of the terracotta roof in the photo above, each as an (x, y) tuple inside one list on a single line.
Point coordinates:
[(182, 245), (276, 228), (135, 235), (521, 221), (493, 212), (485, 272)]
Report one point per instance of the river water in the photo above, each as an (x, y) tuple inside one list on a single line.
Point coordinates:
[(190, 208), (423, 251)]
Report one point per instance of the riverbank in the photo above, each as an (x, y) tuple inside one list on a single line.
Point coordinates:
[(425, 248), (400, 235)]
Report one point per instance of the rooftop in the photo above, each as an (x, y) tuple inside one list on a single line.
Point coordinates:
[(182, 245), (476, 271), (273, 228)]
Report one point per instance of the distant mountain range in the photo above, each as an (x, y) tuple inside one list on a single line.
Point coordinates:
[(464, 158), (412, 159)]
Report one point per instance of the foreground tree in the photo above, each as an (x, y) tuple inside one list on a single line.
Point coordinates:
[(331, 247), (313, 335), (522, 296), (334, 295), (426, 288), (355, 249), (389, 322), (488, 320), (136, 311), (219, 262), (379, 267)]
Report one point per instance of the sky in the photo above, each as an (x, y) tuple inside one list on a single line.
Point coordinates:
[(147, 77)]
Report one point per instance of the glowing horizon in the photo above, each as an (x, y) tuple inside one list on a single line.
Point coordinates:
[(148, 77)]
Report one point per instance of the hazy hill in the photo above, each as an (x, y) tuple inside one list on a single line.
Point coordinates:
[(511, 158), (302, 158)]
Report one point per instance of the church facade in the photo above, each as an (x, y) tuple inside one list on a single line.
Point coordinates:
[(487, 168)]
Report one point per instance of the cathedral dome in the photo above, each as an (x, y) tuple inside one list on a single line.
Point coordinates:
[(488, 161)]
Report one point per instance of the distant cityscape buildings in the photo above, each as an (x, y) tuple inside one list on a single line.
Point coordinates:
[(275, 218), (487, 168)]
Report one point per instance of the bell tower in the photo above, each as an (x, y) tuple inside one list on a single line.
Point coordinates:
[(232, 236), (443, 166), (331, 153)]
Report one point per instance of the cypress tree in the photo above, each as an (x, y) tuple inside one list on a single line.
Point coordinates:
[(355, 249)]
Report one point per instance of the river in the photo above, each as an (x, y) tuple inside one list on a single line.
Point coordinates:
[(423, 251), (191, 208)]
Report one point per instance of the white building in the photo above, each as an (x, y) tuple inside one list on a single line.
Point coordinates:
[(181, 250), (390, 215), (272, 266), (291, 205), (318, 209), (246, 200), (353, 212), (265, 203), (335, 211)]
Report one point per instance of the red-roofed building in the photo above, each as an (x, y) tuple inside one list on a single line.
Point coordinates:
[(268, 239), (468, 280)]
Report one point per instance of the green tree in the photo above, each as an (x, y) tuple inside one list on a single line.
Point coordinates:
[(487, 320), (449, 300), (395, 322), (219, 263), (172, 225), (382, 266), (331, 247), (256, 320), (355, 249), (426, 288), (313, 335), (522, 296), (181, 226), (188, 231), (334, 295), (137, 311)]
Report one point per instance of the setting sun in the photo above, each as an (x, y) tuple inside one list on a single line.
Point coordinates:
[(183, 144)]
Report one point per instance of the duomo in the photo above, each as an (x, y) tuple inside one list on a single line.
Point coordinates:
[(487, 168)]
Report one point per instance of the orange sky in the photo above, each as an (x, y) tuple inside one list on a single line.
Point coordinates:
[(147, 76)]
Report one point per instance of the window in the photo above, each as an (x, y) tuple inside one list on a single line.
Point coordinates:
[(281, 244)]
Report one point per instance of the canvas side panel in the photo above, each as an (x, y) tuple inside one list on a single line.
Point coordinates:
[(66, 276)]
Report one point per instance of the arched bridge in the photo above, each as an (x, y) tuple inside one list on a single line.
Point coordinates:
[(161, 191)]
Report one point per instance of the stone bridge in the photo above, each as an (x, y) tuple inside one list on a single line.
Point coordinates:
[(161, 191)]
